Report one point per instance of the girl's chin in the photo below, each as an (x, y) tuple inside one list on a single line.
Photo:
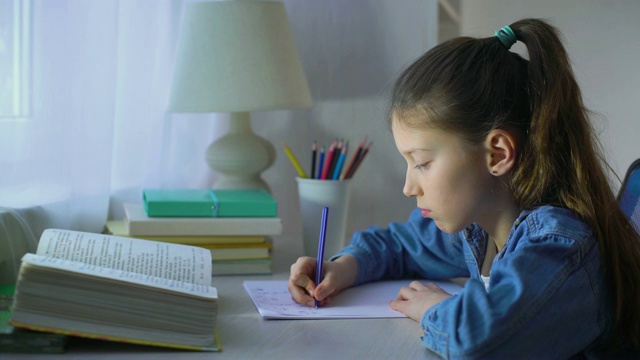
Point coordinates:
[(441, 226), (447, 228)]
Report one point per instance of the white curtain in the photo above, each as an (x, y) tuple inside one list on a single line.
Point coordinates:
[(98, 132)]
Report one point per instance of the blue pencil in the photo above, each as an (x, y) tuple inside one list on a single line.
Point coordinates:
[(339, 164), (321, 241), (320, 163)]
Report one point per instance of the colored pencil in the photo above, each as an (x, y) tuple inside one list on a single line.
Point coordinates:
[(314, 151), (360, 159), (334, 159), (328, 159), (340, 162), (294, 161), (320, 163), (354, 159)]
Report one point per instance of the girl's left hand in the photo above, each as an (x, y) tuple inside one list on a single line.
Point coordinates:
[(415, 299)]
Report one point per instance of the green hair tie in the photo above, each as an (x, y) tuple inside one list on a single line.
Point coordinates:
[(506, 36)]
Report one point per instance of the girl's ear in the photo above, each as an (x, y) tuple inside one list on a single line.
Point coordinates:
[(501, 151)]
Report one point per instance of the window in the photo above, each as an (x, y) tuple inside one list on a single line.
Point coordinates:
[(15, 59)]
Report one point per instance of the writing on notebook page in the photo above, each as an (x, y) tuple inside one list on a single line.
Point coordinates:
[(279, 301), (273, 300)]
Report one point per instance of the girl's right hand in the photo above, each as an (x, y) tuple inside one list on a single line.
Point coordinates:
[(338, 275)]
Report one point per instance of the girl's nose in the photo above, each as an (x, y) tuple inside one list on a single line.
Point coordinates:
[(410, 188)]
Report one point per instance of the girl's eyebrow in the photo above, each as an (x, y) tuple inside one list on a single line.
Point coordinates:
[(415, 150)]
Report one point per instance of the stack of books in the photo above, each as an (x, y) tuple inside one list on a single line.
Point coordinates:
[(235, 225)]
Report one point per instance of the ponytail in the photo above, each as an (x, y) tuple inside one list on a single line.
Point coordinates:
[(562, 164), (559, 134)]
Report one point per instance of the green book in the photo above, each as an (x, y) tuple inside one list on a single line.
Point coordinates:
[(14, 340), (209, 203)]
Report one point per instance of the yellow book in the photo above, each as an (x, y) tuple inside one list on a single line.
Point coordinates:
[(118, 228), (241, 267), (240, 251), (118, 289)]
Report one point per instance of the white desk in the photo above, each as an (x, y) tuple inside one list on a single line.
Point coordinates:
[(245, 335)]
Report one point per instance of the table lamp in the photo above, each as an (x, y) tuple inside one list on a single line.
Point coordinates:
[(237, 56)]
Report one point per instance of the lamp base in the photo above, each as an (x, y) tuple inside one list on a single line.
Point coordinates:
[(240, 156)]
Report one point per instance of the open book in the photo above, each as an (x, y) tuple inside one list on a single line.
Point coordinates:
[(119, 289)]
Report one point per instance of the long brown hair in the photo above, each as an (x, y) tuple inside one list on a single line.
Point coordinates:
[(472, 86)]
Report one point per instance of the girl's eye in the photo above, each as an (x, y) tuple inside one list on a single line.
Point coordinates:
[(423, 165)]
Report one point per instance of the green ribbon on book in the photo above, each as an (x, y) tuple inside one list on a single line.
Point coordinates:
[(216, 203)]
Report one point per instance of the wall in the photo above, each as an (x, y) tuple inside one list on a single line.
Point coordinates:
[(603, 41), (351, 53)]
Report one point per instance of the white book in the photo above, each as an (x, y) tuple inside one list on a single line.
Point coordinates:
[(119, 289), (139, 224)]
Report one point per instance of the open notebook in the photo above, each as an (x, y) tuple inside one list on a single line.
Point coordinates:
[(273, 301)]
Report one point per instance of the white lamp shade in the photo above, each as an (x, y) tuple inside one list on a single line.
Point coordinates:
[(235, 56)]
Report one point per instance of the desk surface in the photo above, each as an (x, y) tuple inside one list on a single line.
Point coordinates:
[(245, 335)]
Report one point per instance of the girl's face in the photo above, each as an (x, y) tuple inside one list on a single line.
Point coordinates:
[(450, 180)]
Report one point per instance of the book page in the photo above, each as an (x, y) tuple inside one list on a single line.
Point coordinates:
[(371, 300), (84, 270), (170, 261)]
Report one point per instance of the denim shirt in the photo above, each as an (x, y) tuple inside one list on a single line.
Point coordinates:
[(546, 296)]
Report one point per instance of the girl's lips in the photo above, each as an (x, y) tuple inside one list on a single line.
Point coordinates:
[(425, 213)]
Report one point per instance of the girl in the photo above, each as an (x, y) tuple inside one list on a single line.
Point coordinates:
[(511, 192)]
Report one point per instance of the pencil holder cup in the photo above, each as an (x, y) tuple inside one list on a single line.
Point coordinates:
[(314, 195)]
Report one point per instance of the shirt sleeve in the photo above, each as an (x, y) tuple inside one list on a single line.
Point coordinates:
[(412, 249), (541, 293)]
